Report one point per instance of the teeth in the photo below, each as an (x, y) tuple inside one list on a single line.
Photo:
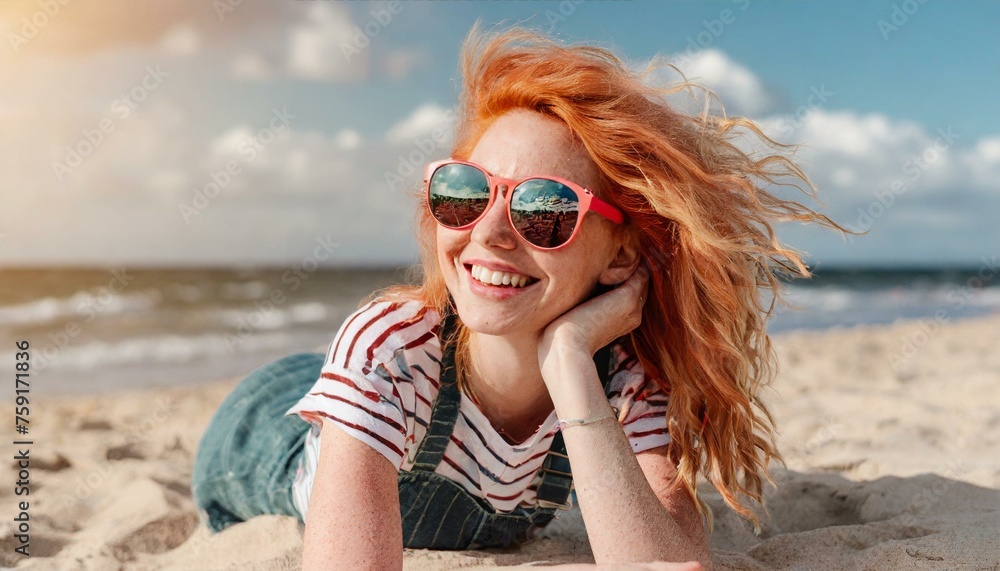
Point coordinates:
[(487, 276)]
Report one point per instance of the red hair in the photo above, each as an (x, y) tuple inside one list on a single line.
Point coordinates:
[(697, 207)]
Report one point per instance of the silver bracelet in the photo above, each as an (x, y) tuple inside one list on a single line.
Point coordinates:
[(563, 424)]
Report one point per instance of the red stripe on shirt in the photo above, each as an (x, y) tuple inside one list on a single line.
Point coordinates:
[(416, 392), (370, 395), (491, 451), (382, 417), (483, 469), (346, 328), (350, 348), (434, 382), (651, 414), (420, 340), (648, 433), (506, 498), (392, 329), (459, 469), (360, 428)]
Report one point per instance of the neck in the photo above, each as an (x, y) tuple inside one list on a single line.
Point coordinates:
[(508, 383)]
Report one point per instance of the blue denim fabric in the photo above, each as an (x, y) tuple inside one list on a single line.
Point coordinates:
[(438, 513), (248, 456)]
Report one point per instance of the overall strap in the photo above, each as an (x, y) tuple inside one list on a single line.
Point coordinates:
[(444, 410), (557, 477)]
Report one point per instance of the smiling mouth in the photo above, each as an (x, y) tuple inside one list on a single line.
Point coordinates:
[(492, 278)]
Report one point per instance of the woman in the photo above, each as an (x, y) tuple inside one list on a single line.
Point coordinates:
[(589, 315)]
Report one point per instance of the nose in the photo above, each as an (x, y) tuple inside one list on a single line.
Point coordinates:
[(493, 229)]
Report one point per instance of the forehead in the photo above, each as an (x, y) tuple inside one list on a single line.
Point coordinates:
[(524, 143)]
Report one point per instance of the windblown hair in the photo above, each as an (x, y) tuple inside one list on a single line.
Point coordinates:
[(696, 206)]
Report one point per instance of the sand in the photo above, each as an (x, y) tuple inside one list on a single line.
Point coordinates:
[(891, 436)]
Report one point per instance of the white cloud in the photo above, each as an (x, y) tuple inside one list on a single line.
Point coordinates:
[(741, 91), (253, 67), (901, 181), (880, 151), (983, 164), (401, 63), (989, 149), (422, 122), (181, 40), (347, 139), (315, 50), (228, 143)]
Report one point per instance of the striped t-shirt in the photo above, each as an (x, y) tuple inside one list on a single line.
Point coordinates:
[(380, 377)]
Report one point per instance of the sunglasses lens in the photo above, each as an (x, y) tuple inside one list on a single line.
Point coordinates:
[(544, 212), (459, 194)]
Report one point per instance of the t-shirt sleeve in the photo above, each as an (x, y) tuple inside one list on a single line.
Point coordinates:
[(355, 389), (640, 402)]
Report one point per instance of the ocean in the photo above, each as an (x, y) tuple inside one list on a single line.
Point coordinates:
[(105, 330)]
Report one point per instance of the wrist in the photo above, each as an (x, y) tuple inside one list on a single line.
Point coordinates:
[(568, 423), (565, 363), (564, 340)]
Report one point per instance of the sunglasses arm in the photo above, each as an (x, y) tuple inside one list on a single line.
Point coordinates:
[(606, 210)]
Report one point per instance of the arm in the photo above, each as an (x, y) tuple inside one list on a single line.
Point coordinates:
[(353, 519), (628, 513)]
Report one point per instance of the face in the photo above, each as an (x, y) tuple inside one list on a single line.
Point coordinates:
[(519, 144)]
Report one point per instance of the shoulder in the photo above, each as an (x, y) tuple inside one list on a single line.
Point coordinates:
[(382, 328)]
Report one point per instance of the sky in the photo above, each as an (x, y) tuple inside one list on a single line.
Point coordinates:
[(228, 132)]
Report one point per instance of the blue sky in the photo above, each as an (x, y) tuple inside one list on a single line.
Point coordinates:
[(920, 85)]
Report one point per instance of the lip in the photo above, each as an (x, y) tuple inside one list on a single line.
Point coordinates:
[(496, 267), (493, 292)]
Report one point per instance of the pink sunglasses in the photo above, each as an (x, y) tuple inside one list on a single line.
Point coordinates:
[(545, 211)]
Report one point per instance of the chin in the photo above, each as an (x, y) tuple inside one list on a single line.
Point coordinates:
[(490, 323)]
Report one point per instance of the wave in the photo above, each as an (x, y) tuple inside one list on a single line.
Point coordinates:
[(168, 349), (78, 305), (270, 317)]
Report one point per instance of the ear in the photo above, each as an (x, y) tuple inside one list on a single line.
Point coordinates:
[(623, 263)]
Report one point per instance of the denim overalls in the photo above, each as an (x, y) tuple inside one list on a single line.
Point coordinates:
[(247, 459)]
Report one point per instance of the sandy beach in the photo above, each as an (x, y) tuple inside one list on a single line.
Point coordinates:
[(890, 436)]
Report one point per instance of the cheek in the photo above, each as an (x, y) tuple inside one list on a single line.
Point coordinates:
[(574, 275), (449, 245)]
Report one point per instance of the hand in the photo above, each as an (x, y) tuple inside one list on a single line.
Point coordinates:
[(599, 321)]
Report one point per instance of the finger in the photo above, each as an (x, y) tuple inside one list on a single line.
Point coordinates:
[(640, 281)]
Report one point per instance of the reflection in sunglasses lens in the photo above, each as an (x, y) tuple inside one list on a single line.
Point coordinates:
[(458, 194), (544, 212)]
